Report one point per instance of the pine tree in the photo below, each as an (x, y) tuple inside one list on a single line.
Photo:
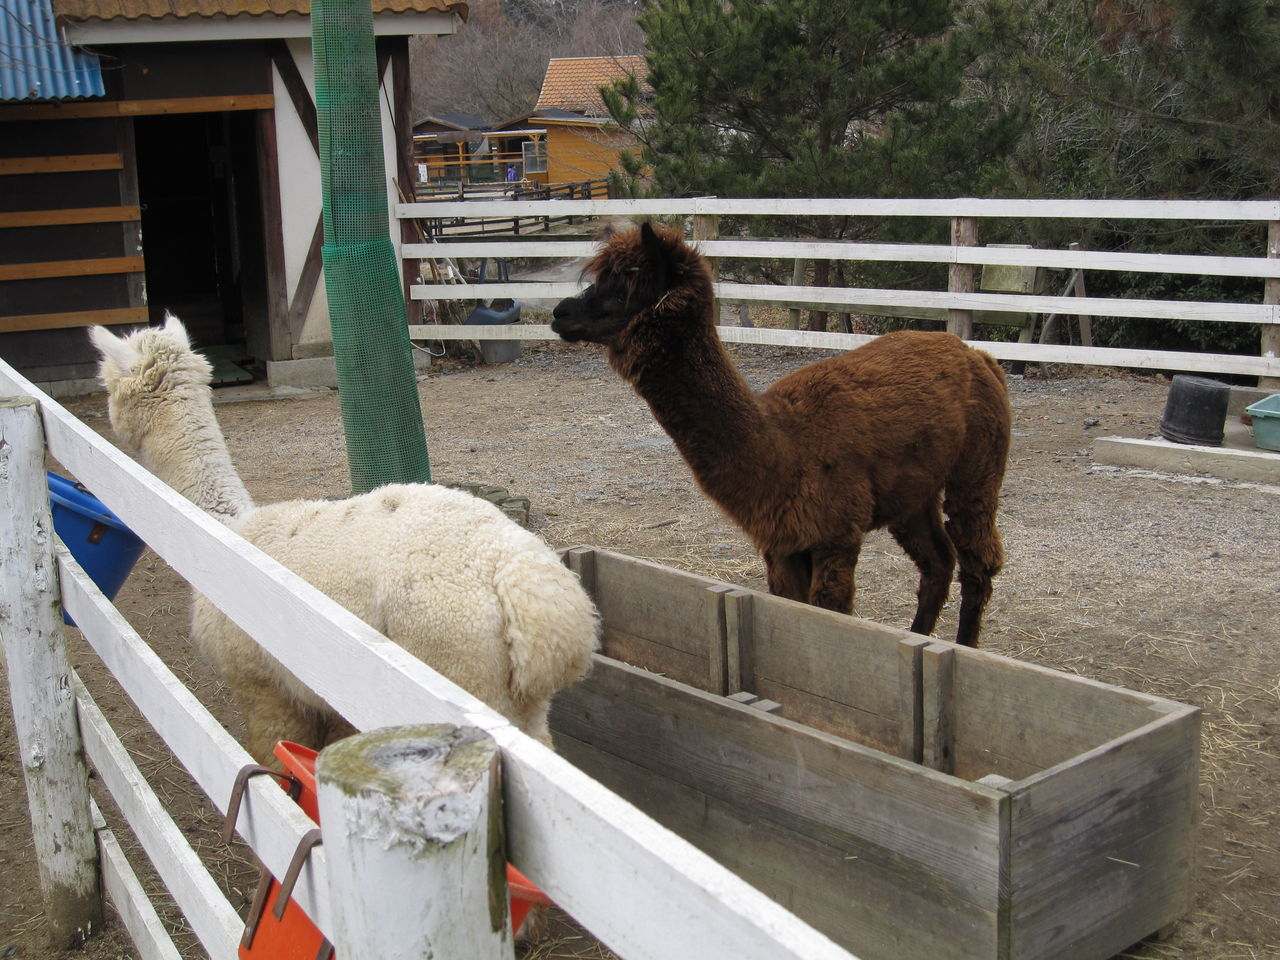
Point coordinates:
[(1152, 99), (812, 98)]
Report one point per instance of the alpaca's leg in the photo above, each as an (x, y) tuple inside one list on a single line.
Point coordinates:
[(789, 574), (923, 538), (973, 497), (271, 716), (981, 554), (832, 584)]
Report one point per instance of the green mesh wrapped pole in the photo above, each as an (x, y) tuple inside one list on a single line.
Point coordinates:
[(381, 415)]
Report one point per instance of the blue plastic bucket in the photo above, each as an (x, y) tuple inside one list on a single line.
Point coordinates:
[(101, 544)]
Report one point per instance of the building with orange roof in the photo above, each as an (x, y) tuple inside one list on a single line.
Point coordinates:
[(567, 140), (573, 83)]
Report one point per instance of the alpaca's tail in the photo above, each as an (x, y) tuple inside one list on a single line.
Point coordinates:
[(552, 625)]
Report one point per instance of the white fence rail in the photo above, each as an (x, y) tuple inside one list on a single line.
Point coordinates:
[(956, 305), (635, 885)]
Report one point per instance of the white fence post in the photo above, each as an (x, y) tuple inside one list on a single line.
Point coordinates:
[(1271, 294), (412, 826), (40, 688)]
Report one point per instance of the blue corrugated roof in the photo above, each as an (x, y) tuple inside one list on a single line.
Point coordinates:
[(34, 62)]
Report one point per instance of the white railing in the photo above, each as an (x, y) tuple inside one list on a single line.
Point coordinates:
[(632, 883), (956, 305)]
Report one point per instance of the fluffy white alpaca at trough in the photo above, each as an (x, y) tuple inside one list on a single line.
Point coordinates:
[(444, 574)]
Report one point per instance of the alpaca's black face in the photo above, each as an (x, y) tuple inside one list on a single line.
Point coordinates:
[(597, 315), (631, 275)]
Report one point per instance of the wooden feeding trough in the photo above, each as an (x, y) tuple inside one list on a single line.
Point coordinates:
[(908, 797)]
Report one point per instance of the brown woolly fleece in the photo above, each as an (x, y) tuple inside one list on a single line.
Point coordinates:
[(892, 434)]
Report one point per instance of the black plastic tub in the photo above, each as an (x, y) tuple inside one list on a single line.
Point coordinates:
[(1196, 411)]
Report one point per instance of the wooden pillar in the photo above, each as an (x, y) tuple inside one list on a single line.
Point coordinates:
[(40, 687), (279, 343), (964, 233), (135, 282), (397, 49), (413, 839), (798, 269), (1271, 295), (706, 226)]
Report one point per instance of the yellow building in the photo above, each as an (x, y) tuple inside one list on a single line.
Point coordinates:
[(568, 138), (582, 142)]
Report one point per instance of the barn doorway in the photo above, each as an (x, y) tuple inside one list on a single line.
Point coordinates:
[(202, 232)]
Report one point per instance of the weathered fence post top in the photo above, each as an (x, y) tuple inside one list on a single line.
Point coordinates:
[(412, 821)]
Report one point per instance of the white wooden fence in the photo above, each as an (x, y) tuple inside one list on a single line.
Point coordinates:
[(636, 886), (956, 304)]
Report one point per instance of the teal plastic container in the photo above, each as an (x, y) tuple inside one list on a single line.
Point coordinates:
[(1266, 422), (101, 544)]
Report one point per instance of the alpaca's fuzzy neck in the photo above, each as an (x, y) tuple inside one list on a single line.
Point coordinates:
[(719, 424), (183, 445)]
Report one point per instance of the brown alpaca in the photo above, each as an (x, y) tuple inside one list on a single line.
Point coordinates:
[(891, 434)]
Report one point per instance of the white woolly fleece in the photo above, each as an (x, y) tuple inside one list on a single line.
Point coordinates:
[(445, 574)]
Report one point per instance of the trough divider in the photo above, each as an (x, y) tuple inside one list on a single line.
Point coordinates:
[(911, 695), (740, 643), (718, 641), (582, 561), (938, 713)]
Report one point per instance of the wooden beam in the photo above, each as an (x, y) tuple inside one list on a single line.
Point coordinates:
[(1270, 346), (213, 918), (137, 108), (76, 164), (1255, 210), (1070, 259), (70, 268), (402, 124), (278, 345), (130, 230), (964, 233), (80, 318), (308, 282), (69, 215), (299, 95)]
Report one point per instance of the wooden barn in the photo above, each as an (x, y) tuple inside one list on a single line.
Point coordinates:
[(580, 142), (167, 158), (568, 137)]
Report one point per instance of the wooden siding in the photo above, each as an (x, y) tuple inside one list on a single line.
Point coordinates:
[(68, 235), (582, 153)]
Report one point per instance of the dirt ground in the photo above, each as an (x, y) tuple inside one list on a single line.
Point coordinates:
[(1165, 584)]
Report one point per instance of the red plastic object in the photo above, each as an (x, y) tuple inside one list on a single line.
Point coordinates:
[(295, 937), (523, 896)]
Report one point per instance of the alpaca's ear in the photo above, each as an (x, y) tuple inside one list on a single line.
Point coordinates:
[(657, 256), (174, 327), (113, 348)]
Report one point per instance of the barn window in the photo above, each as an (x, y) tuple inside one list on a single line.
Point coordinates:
[(535, 156)]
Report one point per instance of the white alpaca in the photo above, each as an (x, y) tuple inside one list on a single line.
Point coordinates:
[(443, 573)]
